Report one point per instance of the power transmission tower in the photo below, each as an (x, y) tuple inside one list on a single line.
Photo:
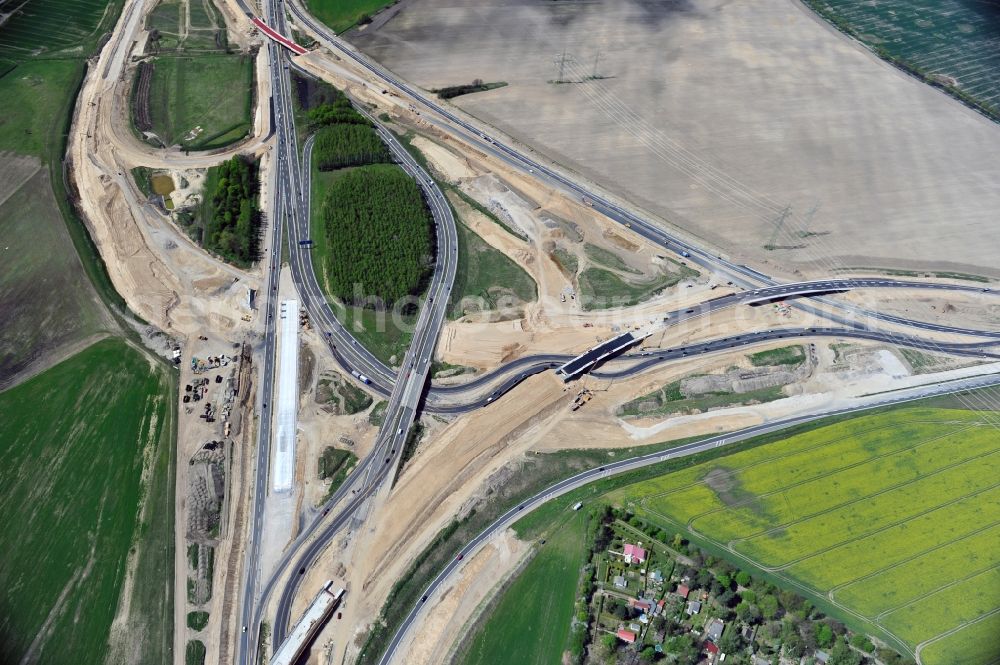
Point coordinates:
[(778, 226), (561, 61), (807, 220)]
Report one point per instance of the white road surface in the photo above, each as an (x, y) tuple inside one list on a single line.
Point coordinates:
[(283, 467)]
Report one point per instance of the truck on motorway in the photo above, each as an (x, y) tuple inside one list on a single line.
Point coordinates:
[(305, 243), (360, 377)]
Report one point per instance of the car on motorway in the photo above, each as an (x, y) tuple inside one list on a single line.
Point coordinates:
[(423, 599), (460, 557)]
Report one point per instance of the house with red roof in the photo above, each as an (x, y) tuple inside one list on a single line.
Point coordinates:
[(626, 635), (683, 591), (640, 604), (634, 554)]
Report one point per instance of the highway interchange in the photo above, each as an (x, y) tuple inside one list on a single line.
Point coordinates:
[(292, 208)]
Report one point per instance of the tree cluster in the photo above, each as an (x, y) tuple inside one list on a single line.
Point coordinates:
[(233, 230), (378, 231), (341, 145), (337, 112)]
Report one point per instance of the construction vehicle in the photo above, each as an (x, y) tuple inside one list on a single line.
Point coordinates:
[(581, 398)]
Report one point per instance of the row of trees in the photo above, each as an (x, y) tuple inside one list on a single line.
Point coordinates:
[(378, 231), (341, 145), (232, 229)]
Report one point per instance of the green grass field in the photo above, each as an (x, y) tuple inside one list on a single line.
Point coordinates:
[(210, 91), (37, 90), (952, 43), (530, 623), (68, 26), (342, 15), (487, 277), (75, 442), (894, 515), (46, 300)]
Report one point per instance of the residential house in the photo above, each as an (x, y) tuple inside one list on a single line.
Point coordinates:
[(619, 581), (634, 554), (714, 629), (711, 649), (640, 604), (683, 591), (822, 656), (634, 627), (693, 607), (626, 635), (656, 577)]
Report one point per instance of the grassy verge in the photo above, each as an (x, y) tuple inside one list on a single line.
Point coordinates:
[(566, 260), (377, 415), (601, 289), (486, 277), (608, 259), (669, 400), (335, 465), (480, 208), (194, 653), (785, 355), (197, 620)]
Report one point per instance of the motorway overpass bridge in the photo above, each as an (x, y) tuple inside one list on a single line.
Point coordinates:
[(610, 348)]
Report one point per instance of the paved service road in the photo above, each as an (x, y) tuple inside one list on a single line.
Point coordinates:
[(622, 466)]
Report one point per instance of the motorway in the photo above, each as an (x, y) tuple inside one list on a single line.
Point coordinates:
[(615, 468), (291, 207), (282, 206), (405, 396)]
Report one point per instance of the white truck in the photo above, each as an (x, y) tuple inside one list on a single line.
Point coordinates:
[(360, 377)]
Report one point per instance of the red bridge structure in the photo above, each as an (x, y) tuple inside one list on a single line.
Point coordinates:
[(281, 39)]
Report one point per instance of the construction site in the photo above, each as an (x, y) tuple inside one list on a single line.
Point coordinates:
[(281, 430)]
